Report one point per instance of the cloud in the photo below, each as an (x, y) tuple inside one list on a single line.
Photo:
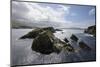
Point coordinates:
[(41, 15), (92, 12), (37, 14)]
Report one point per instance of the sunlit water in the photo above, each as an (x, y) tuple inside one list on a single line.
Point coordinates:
[(21, 53)]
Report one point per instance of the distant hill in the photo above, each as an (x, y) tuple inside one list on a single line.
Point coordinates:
[(24, 25), (17, 25), (74, 28)]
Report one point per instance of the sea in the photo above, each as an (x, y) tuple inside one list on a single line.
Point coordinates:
[(22, 54)]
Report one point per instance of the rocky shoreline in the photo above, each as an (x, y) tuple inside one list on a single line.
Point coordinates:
[(45, 42)]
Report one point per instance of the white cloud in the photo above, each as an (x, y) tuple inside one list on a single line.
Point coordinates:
[(33, 12), (92, 12)]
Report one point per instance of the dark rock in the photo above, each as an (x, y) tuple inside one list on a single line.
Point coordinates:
[(65, 39), (62, 45), (69, 47), (47, 43), (36, 32), (91, 30), (73, 37), (43, 43), (84, 46), (32, 34), (58, 45)]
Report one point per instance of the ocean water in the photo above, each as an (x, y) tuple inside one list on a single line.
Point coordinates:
[(21, 53)]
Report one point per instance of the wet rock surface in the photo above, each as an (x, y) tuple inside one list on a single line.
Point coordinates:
[(74, 37), (66, 40), (47, 43), (43, 43)]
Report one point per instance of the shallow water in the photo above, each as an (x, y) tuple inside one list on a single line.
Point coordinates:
[(21, 53)]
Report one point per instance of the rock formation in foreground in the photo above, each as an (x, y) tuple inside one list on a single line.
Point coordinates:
[(43, 43), (47, 43)]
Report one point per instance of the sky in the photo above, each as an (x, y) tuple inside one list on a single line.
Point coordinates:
[(50, 14)]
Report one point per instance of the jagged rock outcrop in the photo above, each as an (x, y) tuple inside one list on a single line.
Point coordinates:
[(73, 37), (32, 34), (36, 32), (43, 43), (91, 30), (69, 48), (66, 40), (47, 43)]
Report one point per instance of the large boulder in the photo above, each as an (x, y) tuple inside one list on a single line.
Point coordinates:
[(47, 43), (43, 43), (91, 30), (34, 33), (73, 37)]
